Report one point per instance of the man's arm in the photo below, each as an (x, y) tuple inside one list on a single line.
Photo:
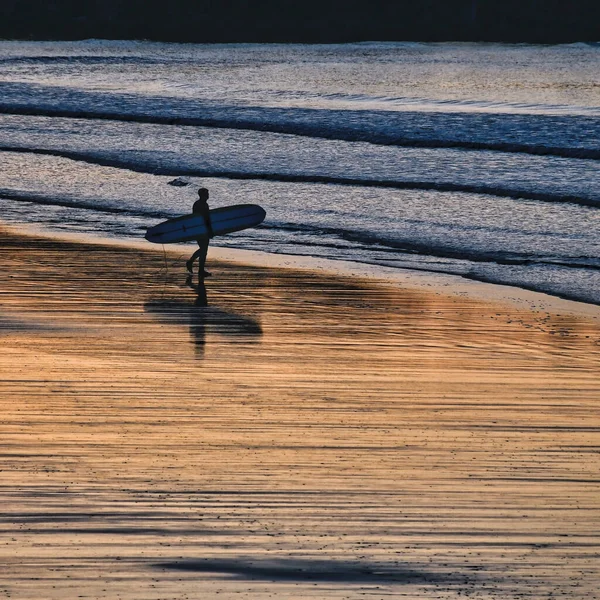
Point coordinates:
[(208, 223)]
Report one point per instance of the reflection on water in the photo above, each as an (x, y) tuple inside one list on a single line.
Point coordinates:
[(202, 319)]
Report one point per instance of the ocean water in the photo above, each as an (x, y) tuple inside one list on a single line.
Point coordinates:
[(480, 160)]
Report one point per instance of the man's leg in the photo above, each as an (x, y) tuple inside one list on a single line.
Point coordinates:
[(202, 252), (190, 263)]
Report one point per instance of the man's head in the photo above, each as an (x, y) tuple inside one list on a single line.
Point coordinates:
[(203, 194)]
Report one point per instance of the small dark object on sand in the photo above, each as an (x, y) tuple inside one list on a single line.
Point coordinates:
[(179, 182)]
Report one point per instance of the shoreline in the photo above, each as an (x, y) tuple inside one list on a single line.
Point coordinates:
[(447, 284)]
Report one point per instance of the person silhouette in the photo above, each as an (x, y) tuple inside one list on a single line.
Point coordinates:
[(201, 208)]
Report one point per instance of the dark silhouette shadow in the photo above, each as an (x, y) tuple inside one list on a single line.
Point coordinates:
[(202, 319), (200, 289), (325, 571), (9, 325)]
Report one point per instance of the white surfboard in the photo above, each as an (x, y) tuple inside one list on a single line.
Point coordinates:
[(190, 227)]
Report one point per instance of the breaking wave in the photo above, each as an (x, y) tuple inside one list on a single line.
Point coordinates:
[(139, 166), (579, 136)]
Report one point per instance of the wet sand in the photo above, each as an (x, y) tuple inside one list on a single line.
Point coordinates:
[(303, 436)]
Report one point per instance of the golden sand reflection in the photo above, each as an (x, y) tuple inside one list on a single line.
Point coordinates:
[(341, 436)]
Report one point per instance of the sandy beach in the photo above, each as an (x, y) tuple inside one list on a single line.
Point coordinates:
[(293, 434)]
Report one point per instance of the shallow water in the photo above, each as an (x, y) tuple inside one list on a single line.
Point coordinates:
[(474, 159)]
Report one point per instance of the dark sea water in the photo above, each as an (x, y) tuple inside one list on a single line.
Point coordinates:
[(481, 160)]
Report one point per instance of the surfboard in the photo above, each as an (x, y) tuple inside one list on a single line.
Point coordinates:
[(190, 227)]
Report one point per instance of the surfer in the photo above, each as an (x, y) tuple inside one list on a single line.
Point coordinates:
[(201, 208)]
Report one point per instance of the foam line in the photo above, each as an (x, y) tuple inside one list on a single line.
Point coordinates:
[(306, 128), (315, 179)]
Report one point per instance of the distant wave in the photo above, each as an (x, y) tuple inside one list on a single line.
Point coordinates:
[(138, 167), (82, 59), (307, 129), (449, 104), (565, 136), (50, 200)]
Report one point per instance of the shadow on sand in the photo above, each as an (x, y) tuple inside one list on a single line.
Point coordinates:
[(203, 319), (315, 571)]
